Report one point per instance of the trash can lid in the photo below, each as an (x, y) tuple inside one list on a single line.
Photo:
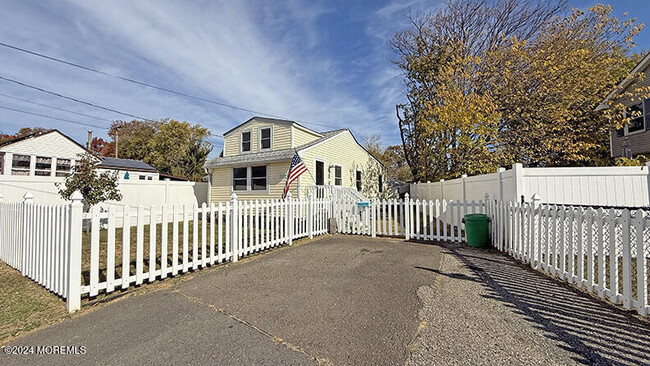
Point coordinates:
[(475, 217)]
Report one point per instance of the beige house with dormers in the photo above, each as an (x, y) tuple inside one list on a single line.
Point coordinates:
[(257, 154)]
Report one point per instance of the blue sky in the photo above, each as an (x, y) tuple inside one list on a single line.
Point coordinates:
[(324, 63)]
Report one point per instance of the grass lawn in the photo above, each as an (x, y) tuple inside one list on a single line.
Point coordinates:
[(25, 305)]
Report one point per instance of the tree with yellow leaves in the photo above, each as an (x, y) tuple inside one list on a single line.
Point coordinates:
[(491, 83)]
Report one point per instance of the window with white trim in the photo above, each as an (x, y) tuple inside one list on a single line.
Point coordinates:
[(239, 179), (338, 175), (20, 164), (635, 114), (249, 178), (43, 166), (380, 180), (265, 138), (63, 168), (359, 185), (258, 178), (246, 141)]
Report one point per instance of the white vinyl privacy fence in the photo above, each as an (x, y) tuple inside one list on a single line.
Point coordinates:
[(603, 251), (587, 186)]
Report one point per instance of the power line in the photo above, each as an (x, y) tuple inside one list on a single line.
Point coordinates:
[(53, 107), (51, 117), (72, 98), (141, 83)]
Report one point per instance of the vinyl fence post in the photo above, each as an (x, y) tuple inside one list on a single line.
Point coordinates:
[(518, 170), (407, 216), (373, 216), (647, 166), (310, 216), (463, 178), (234, 229), (28, 199), (535, 199), (500, 183), (289, 218), (74, 252)]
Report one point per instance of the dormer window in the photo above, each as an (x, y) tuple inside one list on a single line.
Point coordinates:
[(265, 138), (246, 141), (635, 114)]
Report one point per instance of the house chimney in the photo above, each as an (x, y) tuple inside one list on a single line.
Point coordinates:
[(90, 139)]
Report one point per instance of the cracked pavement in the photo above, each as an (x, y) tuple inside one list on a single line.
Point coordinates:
[(349, 300)]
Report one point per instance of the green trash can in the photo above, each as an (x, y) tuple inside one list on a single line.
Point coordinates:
[(477, 230)]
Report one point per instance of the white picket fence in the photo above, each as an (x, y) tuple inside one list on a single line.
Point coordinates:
[(35, 240), (127, 246), (606, 252)]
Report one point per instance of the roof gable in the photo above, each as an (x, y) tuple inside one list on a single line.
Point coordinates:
[(642, 66), (48, 143), (276, 121)]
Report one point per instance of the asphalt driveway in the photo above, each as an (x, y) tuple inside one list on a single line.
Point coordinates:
[(337, 300), (347, 300)]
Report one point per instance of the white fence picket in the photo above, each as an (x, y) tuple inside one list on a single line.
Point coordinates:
[(603, 251)]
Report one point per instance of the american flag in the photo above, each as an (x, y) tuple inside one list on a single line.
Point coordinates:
[(295, 170)]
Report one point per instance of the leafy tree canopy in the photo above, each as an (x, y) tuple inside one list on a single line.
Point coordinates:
[(490, 83), (24, 131), (173, 147)]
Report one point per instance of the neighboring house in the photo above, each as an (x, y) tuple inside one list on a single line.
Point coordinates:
[(129, 168), (53, 154), (257, 154), (48, 153), (634, 138)]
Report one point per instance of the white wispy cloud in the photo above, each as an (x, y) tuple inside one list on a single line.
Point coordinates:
[(265, 56)]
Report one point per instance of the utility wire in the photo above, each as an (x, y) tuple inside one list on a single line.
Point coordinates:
[(69, 111), (51, 117), (151, 85), (72, 98), (53, 107)]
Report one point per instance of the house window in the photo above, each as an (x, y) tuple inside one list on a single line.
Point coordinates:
[(338, 175), (635, 113), (142, 177), (246, 141), (43, 166), (359, 181), (20, 165), (63, 168), (150, 178), (2, 163), (258, 178), (380, 179), (249, 179), (265, 138), (239, 179)]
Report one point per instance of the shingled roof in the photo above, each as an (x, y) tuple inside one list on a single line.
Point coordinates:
[(126, 164)]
